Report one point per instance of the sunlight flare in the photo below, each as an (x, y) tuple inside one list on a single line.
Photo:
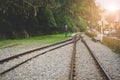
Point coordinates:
[(112, 8)]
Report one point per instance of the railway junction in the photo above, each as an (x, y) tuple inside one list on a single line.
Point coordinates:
[(78, 58)]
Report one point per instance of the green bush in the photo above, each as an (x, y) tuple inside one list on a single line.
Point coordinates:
[(91, 34), (113, 43)]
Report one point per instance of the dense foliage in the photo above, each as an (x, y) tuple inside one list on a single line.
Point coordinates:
[(24, 18)]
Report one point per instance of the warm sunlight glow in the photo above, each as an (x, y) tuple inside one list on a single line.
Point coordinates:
[(113, 8)]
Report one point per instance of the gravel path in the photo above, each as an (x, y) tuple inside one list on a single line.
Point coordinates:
[(85, 67), (53, 65), (109, 59)]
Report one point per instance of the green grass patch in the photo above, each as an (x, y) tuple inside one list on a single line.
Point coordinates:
[(43, 40)]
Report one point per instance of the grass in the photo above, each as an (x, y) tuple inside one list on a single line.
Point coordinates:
[(43, 40)]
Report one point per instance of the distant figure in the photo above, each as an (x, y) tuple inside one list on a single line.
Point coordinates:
[(66, 30), (73, 35)]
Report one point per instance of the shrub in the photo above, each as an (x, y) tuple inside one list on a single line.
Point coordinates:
[(113, 43), (91, 34)]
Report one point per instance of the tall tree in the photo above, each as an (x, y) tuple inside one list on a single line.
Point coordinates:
[(24, 18)]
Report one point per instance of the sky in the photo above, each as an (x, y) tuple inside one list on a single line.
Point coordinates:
[(108, 3)]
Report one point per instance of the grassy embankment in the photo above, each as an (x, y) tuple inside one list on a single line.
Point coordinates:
[(42, 40), (112, 43)]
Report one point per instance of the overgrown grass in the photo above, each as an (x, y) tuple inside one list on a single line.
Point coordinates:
[(90, 34), (113, 43), (43, 40)]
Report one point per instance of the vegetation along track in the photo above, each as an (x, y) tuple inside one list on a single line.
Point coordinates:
[(10, 60), (104, 75), (28, 52)]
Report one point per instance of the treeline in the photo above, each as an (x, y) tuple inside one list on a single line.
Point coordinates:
[(24, 18)]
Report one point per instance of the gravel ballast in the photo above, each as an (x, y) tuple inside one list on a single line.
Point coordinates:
[(54, 65), (16, 61), (11, 63), (109, 59), (85, 67), (7, 52)]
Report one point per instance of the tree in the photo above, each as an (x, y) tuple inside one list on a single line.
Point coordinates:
[(24, 18)]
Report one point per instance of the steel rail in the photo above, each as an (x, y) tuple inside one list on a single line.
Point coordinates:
[(30, 51), (106, 75), (13, 67), (72, 64)]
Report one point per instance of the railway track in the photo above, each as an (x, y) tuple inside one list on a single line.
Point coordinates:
[(73, 65), (28, 52), (19, 59), (99, 68)]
